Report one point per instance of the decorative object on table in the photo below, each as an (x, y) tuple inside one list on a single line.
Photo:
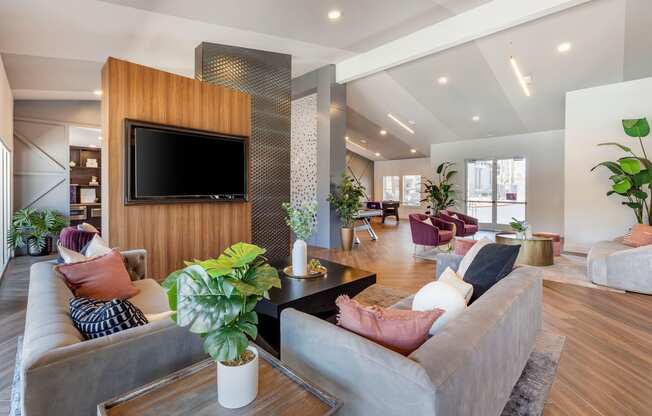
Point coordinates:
[(88, 195), (313, 270), (35, 229), (91, 163), (73, 193), (72, 164), (94, 181), (346, 201), (632, 175), (302, 221), (216, 299), (520, 227), (440, 192)]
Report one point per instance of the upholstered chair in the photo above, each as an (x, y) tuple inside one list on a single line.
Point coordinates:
[(430, 231), (465, 225)]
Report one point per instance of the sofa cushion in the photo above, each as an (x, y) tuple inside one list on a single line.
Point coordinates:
[(152, 300), (439, 296), (75, 239), (101, 278), (596, 260), (470, 255), (95, 319), (402, 331), (450, 277), (492, 263)]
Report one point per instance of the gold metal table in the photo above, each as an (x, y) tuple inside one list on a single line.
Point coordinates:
[(535, 251)]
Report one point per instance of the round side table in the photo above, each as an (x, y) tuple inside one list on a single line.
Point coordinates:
[(535, 251)]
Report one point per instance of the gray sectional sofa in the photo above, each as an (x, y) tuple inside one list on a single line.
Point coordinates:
[(468, 368), (616, 265), (63, 374)]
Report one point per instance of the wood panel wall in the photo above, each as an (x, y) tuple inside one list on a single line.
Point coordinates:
[(171, 233)]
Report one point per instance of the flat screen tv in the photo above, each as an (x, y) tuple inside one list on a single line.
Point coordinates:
[(166, 164)]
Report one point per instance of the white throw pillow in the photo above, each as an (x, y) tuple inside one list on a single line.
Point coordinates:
[(97, 247), (70, 256), (452, 278), (470, 255), (439, 295), (84, 226)]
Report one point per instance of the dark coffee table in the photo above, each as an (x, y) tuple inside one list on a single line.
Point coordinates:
[(313, 296)]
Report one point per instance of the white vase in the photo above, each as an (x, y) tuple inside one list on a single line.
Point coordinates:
[(237, 386), (300, 258)]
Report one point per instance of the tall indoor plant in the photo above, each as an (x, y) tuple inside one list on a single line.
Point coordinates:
[(215, 298), (35, 229), (302, 221), (346, 201), (440, 192), (632, 174)]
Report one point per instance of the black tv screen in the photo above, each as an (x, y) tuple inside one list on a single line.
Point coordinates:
[(172, 164)]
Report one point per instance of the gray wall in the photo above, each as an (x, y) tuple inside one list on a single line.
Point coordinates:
[(41, 150), (363, 169), (266, 76)]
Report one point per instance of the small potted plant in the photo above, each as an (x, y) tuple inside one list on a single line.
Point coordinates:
[(302, 221), (216, 298), (520, 227), (346, 201), (35, 229)]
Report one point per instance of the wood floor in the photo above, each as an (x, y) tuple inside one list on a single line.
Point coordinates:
[(606, 365)]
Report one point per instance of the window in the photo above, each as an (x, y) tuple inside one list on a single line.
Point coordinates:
[(412, 190), (495, 190), (391, 188)]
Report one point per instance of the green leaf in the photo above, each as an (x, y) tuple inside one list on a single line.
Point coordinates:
[(201, 302), (639, 194), (226, 344), (248, 328), (622, 186), (638, 127), (242, 254), (612, 166), (630, 165), (633, 205), (623, 147)]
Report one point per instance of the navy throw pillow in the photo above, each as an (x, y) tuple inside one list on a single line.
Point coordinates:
[(96, 318), (490, 265)]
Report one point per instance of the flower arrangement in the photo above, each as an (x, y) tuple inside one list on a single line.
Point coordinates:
[(302, 220)]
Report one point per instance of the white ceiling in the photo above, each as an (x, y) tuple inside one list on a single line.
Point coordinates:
[(55, 49)]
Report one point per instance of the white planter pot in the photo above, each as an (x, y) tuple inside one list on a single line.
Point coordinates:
[(300, 258), (237, 386)]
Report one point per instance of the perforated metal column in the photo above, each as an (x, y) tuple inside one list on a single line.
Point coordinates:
[(266, 76)]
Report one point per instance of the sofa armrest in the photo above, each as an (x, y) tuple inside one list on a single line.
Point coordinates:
[(136, 263), (99, 369), (630, 269), (368, 378), (445, 260)]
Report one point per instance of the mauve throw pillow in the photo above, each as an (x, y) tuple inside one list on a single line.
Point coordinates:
[(641, 235), (489, 266), (100, 278), (399, 330), (74, 239)]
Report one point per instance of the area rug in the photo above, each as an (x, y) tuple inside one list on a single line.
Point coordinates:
[(16, 383), (527, 399)]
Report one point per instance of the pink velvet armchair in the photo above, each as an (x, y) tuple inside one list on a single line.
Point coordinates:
[(430, 231), (465, 225)]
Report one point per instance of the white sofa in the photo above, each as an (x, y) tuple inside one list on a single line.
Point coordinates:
[(616, 265)]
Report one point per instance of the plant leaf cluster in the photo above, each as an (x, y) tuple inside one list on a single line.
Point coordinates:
[(33, 227), (440, 192), (346, 200)]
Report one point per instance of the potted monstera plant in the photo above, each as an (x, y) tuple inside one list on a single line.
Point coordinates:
[(35, 229), (215, 298)]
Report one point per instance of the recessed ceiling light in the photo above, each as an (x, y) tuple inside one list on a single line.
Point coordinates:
[(413, 150), (520, 77), (377, 154), (98, 93), (363, 141), (442, 80), (334, 14), (99, 138), (564, 47), (476, 118), (400, 123), (346, 138), (383, 132)]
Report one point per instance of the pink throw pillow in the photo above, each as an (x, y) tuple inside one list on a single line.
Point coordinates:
[(100, 278), (641, 235), (400, 330)]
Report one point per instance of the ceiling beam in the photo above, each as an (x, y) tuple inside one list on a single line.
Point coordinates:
[(484, 20)]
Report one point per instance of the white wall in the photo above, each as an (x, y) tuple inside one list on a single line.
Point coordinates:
[(6, 110), (7, 137), (419, 166), (544, 154), (594, 116)]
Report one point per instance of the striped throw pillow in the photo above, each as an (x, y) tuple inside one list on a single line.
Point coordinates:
[(96, 318)]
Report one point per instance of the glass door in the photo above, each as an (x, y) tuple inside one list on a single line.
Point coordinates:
[(5, 204), (495, 191)]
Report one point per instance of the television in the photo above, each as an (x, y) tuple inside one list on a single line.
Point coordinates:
[(168, 164)]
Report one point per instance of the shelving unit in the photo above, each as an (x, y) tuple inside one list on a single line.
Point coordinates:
[(85, 208)]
